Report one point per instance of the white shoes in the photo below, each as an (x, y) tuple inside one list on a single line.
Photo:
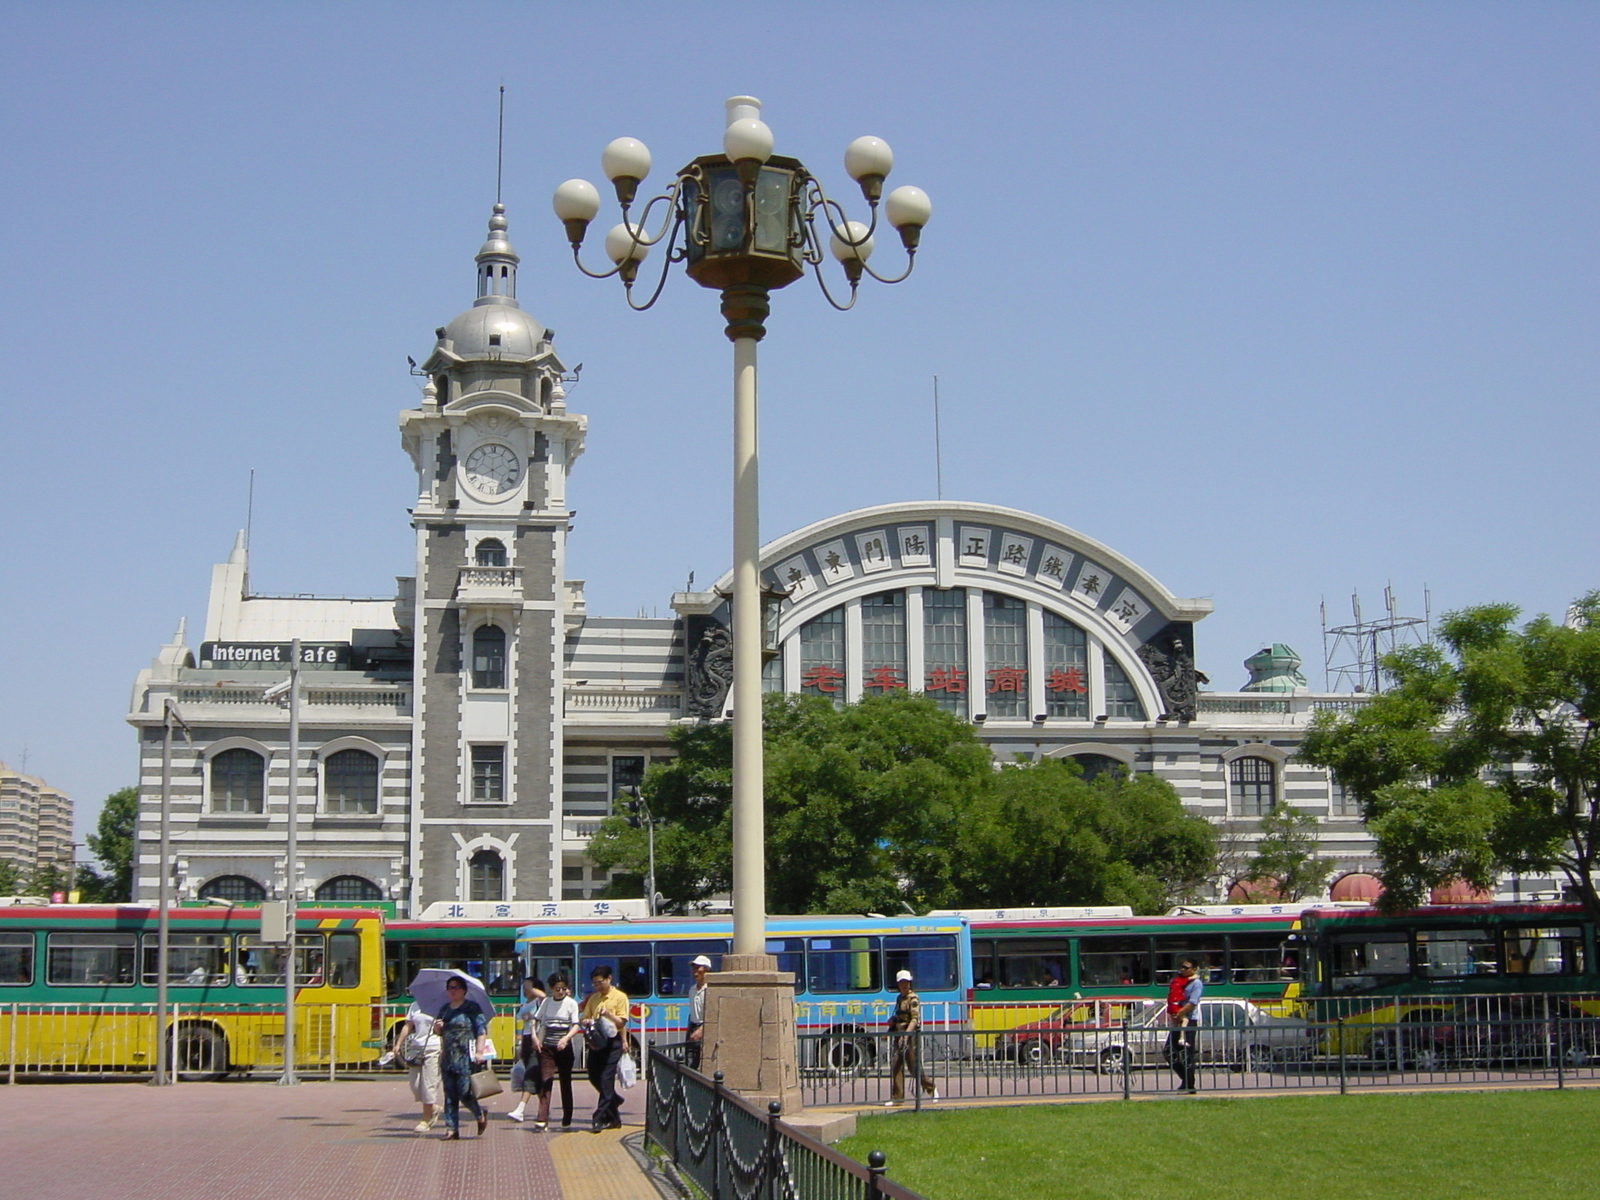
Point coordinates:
[(893, 1103), (516, 1113), (934, 1099)]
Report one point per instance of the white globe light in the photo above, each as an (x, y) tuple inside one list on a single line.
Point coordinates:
[(844, 251), (576, 200), (625, 158), (908, 206), (624, 243), (747, 139), (868, 156)]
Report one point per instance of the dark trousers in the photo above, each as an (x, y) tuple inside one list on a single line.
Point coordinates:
[(906, 1059), (1181, 1055), (603, 1074), (555, 1065), (457, 1090), (691, 1051)]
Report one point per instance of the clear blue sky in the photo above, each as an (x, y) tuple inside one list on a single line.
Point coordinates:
[(1281, 300)]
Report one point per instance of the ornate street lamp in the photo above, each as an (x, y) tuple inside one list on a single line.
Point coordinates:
[(744, 222)]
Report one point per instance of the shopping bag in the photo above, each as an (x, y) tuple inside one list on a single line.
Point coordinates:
[(484, 1083), (627, 1071), (519, 1077)]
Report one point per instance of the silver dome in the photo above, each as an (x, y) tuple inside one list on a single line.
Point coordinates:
[(519, 333)]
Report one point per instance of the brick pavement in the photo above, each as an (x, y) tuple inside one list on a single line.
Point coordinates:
[(318, 1141)]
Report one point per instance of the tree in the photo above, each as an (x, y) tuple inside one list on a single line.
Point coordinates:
[(45, 879), (1287, 853), (1043, 835), (862, 807), (1482, 756), (10, 878), (112, 843)]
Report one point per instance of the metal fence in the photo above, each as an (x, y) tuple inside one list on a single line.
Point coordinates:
[(1344, 1045), (731, 1150)]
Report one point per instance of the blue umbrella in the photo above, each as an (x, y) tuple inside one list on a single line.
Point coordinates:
[(427, 989)]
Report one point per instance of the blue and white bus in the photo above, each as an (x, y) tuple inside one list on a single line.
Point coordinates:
[(844, 967)]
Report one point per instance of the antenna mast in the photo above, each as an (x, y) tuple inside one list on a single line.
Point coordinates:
[(500, 146), (938, 449), (249, 520)]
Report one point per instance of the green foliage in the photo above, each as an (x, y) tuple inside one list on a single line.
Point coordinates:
[(1043, 835), (893, 803), (112, 843), (1287, 852), (1481, 758), (43, 879), (10, 878)]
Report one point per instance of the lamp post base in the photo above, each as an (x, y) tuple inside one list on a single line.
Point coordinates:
[(750, 1034)]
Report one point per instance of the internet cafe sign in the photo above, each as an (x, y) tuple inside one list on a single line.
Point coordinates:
[(273, 654)]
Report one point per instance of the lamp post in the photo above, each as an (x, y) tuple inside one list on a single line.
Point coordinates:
[(640, 808), (744, 222), (288, 693), (169, 718)]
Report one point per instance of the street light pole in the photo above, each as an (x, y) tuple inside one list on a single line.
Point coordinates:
[(163, 1074), (291, 871)]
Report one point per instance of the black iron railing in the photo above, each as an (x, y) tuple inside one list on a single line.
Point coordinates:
[(730, 1150)]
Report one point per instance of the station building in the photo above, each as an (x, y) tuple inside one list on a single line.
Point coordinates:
[(461, 739)]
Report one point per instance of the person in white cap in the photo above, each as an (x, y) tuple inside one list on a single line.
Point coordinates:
[(697, 1008), (904, 1022)]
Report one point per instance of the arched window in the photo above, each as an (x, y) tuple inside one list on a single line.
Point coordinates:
[(350, 889), (491, 553), (1252, 786), (238, 781), (1095, 765), (944, 648), (350, 783), (1005, 642), (1066, 664), (238, 888), (489, 657), (486, 876), (1122, 698)]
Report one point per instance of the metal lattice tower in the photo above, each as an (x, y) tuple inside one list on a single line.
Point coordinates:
[(1351, 654)]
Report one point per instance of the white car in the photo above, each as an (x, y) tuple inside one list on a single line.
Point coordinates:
[(1234, 1032)]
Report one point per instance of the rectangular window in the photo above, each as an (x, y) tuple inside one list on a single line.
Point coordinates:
[(1452, 953), (772, 674), (1036, 962), (1206, 951), (1066, 665), (193, 959), (629, 963), (1360, 961), (1122, 701), (843, 964), (488, 774), (344, 959), (944, 648), (930, 957), (1005, 642), (77, 959), (1113, 961), (1341, 804), (983, 963), (350, 781), (627, 771), (1252, 783), (791, 956), (553, 959), (1544, 951), (822, 656), (16, 958), (260, 964), (883, 643), (1257, 958), (674, 975)]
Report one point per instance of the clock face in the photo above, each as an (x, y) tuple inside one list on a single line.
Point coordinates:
[(493, 469)]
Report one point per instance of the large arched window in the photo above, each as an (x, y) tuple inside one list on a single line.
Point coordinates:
[(486, 876), (350, 889), (491, 553), (238, 781), (350, 783), (822, 656), (1095, 765), (489, 657), (1252, 785), (237, 888)]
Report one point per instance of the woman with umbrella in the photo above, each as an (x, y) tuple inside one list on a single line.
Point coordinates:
[(463, 1028)]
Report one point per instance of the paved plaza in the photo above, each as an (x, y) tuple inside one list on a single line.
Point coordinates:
[(318, 1141)]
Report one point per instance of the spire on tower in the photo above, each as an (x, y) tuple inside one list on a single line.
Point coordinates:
[(497, 264)]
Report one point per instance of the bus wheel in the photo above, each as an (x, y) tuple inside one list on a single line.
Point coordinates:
[(843, 1055), (199, 1053), (1113, 1060), (1255, 1058), (1032, 1053)]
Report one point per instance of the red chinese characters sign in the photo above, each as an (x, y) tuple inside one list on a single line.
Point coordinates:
[(1069, 679)]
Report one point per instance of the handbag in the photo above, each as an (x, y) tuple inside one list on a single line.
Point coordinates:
[(627, 1070), (485, 1084), (410, 1052)]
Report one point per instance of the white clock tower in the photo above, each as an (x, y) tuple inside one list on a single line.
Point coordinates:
[(492, 444)]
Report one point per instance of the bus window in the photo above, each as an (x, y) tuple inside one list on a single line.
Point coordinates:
[(1364, 960), (1258, 958), (629, 963), (543, 963), (94, 958), (193, 959), (502, 969), (843, 964), (1540, 951), (1113, 961), (1451, 953), (1036, 962), (791, 956), (983, 963), (344, 959), (673, 974), (16, 958), (260, 964), (1205, 949), (466, 957), (931, 959)]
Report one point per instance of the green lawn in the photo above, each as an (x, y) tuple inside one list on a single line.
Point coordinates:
[(1456, 1146)]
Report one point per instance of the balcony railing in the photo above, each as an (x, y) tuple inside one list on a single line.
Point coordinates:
[(666, 702), (489, 585)]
